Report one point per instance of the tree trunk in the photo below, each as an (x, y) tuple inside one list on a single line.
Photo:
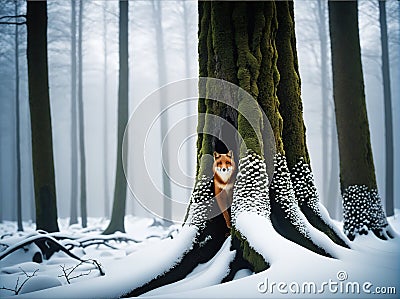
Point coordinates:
[(39, 103), (294, 138), (162, 80), (361, 203), (238, 44), (81, 119), (105, 120), (17, 125), (118, 211), (74, 138), (387, 95)]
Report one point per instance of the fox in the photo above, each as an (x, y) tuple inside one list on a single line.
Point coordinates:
[(224, 176)]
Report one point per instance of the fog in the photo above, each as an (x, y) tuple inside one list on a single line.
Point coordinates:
[(143, 80)]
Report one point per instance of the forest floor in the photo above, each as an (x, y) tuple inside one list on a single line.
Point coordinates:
[(99, 266)]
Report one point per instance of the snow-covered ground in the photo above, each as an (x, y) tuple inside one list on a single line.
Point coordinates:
[(371, 269)]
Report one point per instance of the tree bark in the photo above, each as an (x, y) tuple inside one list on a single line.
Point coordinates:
[(118, 211), (74, 138), (293, 133), (387, 95), (39, 103), (361, 203)]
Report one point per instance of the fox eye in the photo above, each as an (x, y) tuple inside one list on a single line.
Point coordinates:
[(228, 163)]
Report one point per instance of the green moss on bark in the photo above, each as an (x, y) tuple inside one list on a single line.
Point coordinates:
[(269, 77), (249, 254), (289, 91)]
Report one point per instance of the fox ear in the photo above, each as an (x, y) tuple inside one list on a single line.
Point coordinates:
[(216, 155), (230, 154)]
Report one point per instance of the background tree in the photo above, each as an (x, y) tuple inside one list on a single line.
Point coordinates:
[(39, 103), (74, 138), (105, 126), (162, 80), (81, 113), (387, 96), (118, 211), (361, 203)]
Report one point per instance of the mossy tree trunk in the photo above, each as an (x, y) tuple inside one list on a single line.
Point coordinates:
[(238, 44), (39, 104), (118, 211), (293, 133), (361, 203)]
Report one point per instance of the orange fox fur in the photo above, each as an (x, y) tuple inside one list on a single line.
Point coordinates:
[(224, 169)]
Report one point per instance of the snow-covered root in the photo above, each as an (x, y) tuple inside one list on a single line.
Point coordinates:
[(363, 212), (250, 194), (286, 215), (204, 275), (276, 248), (307, 199)]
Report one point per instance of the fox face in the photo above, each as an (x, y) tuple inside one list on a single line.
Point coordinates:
[(224, 166)]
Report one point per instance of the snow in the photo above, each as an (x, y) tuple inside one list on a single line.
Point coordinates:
[(370, 263)]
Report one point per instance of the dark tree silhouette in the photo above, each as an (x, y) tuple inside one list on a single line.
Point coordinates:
[(39, 103), (118, 211), (362, 205)]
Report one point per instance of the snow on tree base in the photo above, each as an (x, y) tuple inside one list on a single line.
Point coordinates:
[(200, 202), (250, 191), (304, 186), (362, 211), (285, 194)]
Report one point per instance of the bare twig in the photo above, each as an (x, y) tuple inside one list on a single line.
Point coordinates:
[(17, 288)]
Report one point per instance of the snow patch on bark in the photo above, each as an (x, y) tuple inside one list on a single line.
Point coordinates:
[(250, 191), (200, 202), (285, 194), (362, 210)]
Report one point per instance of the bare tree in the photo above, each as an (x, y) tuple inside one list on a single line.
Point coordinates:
[(39, 103), (119, 204), (162, 80)]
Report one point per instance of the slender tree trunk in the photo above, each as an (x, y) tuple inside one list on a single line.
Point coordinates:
[(361, 203), (74, 138), (105, 118), (162, 80), (118, 211), (81, 119), (17, 125), (387, 95), (39, 103)]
